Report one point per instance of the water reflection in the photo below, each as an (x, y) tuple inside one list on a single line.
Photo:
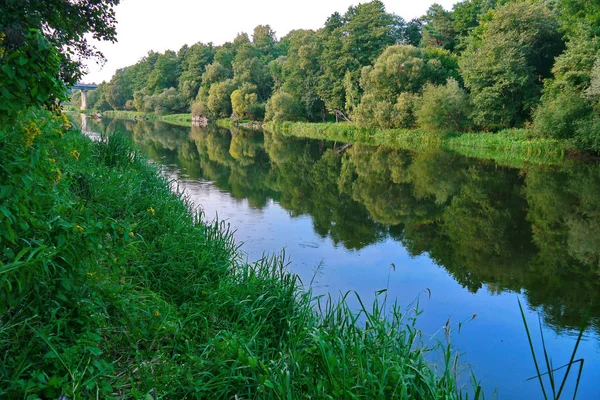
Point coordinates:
[(534, 230)]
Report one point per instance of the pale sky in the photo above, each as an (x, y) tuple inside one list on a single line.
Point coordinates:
[(159, 25)]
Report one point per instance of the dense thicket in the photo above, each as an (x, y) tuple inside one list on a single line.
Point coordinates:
[(512, 62)]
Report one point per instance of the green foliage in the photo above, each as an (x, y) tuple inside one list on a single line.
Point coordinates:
[(64, 24), (505, 61), (118, 91), (587, 133), (218, 102), (193, 64), (438, 28), (169, 101), (283, 106), (165, 73), (29, 75), (300, 71), (244, 102), (399, 70), (557, 116), (444, 108), (351, 42)]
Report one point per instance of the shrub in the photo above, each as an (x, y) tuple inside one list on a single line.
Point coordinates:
[(444, 108), (556, 117), (587, 133), (283, 106)]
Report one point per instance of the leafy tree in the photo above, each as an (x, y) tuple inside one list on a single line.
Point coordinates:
[(413, 32), (219, 99), (351, 42), (264, 40), (283, 106), (169, 101), (300, 71), (558, 114), (165, 73), (244, 102), (29, 75), (400, 69), (444, 108), (65, 24), (193, 65), (506, 60), (118, 91), (248, 67), (438, 28)]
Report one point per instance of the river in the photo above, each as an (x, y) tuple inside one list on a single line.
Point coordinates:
[(461, 239)]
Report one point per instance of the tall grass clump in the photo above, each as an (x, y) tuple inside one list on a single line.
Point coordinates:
[(112, 286)]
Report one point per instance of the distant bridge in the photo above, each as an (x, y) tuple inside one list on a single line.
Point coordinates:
[(84, 87)]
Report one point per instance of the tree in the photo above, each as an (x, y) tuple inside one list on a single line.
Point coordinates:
[(444, 108), (66, 24), (169, 101), (301, 71), (283, 106), (219, 99), (244, 102), (438, 28), (351, 42), (165, 73), (118, 90), (400, 69), (506, 60), (193, 65)]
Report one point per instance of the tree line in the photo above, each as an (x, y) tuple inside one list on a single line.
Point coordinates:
[(484, 65)]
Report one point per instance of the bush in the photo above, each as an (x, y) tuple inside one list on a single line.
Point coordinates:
[(29, 75), (444, 108), (169, 101), (384, 114), (244, 101), (219, 99), (587, 133), (283, 106), (557, 117)]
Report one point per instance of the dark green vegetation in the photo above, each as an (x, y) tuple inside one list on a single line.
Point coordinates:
[(531, 229), (111, 286), (485, 65)]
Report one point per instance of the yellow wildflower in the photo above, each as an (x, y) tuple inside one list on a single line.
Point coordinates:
[(75, 154), (131, 234), (156, 313), (31, 131), (56, 179), (79, 228), (151, 210), (52, 160)]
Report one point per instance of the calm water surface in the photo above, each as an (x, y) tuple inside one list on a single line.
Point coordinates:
[(457, 235)]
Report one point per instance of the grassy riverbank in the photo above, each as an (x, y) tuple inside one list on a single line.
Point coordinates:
[(510, 147), (113, 287), (175, 119)]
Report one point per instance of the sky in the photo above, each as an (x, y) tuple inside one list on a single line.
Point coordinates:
[(159, 25)]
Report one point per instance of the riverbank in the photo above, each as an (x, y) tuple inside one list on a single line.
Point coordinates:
[(175, 119), (513, 147), (112, 286)]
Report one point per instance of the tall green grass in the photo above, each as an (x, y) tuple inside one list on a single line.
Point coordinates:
[(549, 384), (112, 286), (513, 147)]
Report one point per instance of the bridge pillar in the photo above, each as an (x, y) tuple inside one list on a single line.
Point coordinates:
[(83, 100)]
